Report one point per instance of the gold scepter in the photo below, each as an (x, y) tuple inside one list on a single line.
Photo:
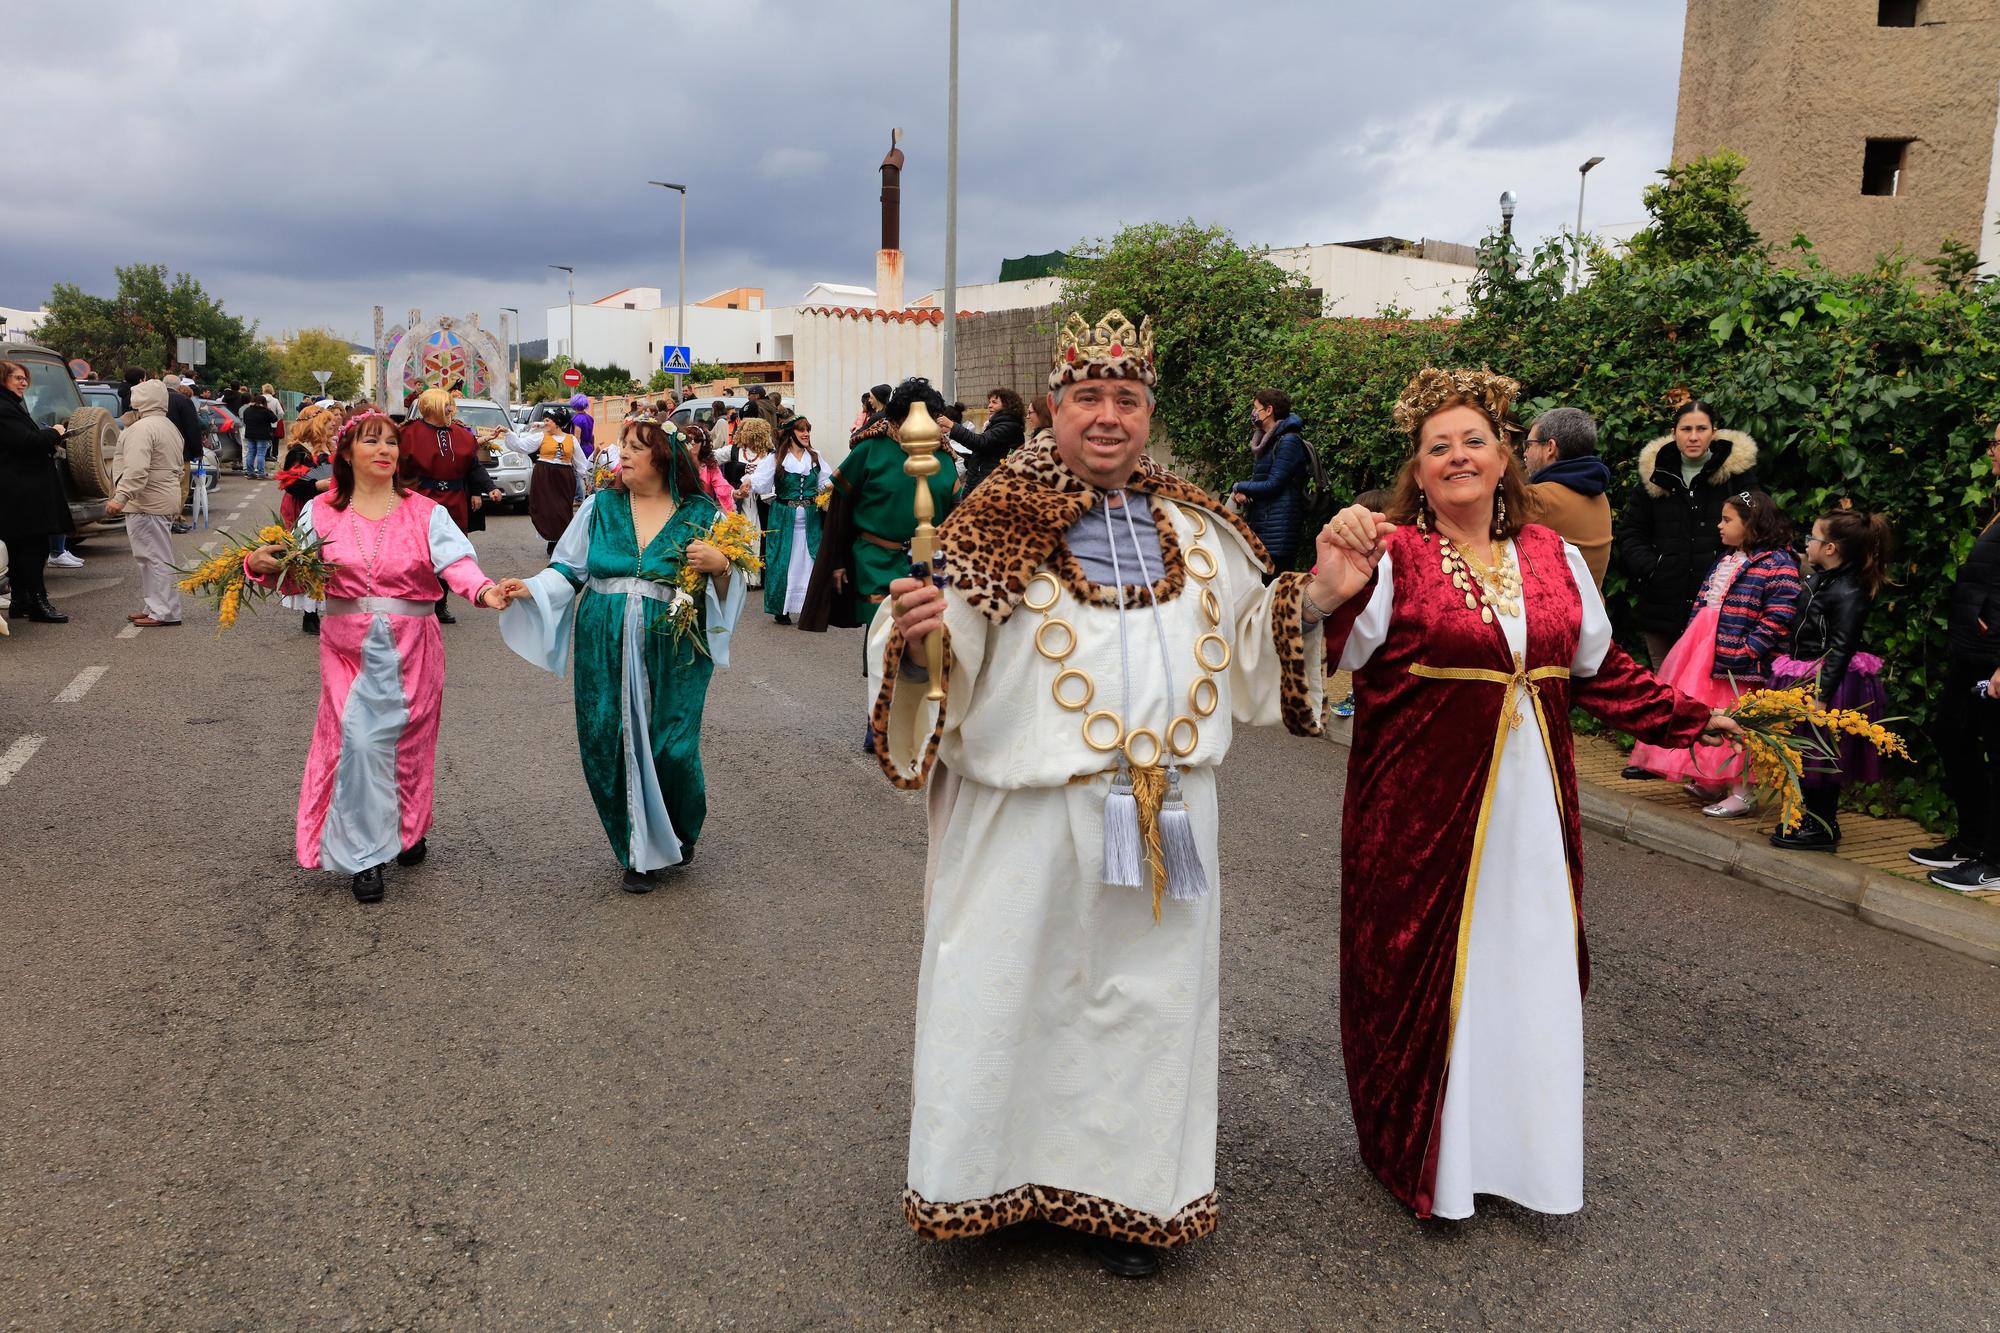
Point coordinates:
[(919, 437)]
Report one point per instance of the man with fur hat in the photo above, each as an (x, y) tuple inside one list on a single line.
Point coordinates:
[(1104, 625)]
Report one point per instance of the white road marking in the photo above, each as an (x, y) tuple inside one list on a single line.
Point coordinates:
[(129, 632), (18, 754), (85, 678), (208, 548)]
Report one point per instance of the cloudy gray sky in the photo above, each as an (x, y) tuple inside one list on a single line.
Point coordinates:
[(308, 159)]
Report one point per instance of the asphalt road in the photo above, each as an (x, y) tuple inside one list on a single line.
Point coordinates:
[(513, 1096)]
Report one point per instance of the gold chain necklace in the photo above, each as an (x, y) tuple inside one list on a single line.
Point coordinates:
[(1497, 585)]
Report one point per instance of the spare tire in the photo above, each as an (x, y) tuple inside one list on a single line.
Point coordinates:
[(92, 449)]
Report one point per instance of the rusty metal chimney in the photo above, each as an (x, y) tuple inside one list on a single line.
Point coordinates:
[(889, 259)]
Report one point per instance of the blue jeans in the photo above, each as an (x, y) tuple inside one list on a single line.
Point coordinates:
[(257, 454)]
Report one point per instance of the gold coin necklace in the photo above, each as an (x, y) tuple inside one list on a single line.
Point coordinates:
[(1488, 588)]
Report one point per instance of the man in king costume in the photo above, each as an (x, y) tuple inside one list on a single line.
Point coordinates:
[(1104, 625)]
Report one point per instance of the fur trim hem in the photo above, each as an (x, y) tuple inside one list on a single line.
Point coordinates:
[(1087, 1213), (1741, 458)]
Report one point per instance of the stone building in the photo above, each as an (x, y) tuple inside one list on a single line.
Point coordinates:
[(1869, 125)]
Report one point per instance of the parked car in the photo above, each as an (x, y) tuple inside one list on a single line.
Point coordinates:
[(501, 448), (91, 449), (702, 411)]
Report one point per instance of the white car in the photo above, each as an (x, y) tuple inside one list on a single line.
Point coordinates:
[(501, 446)]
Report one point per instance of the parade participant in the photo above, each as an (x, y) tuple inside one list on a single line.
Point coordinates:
[(870, 519), (752, 444), (1462, 965), (560, 466), (441, 459), (366, 796), (307, 471), (709, 468), (639, 690), (1105, 626), (790, 482), (582, 424)]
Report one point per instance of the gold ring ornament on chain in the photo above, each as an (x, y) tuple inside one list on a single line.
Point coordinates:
[(1203, 696), (1117, 727), (1173, 736), (1069, 640), (1201, 654), (1053, 590), (1072, 704), (1132, 758), (1205, 570), (1200, 522), (1211, 606)]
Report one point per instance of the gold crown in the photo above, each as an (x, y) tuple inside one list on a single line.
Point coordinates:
[(1432, 388), (1111, 349)]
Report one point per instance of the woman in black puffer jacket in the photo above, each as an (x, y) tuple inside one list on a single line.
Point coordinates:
[(32, 508), (1274, 499)]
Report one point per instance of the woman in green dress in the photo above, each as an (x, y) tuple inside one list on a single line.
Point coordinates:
[(789, 482), (611, 586)]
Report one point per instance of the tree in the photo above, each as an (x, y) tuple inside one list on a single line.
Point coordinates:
[(317, 349), (1700, 209), (138, 326)]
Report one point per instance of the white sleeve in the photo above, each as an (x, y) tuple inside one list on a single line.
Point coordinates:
[(1595, 639), (1371, 627), (764, 478), (304, 527)]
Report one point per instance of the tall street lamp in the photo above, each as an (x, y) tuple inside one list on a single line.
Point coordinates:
[(572, 309), (513, 353), (680, 312), (950, 376), (1576, 260), (1507, 202)]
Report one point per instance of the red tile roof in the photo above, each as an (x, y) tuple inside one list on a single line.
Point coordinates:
[(926, 316)]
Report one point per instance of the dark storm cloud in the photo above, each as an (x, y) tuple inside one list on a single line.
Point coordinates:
[(309, 160)]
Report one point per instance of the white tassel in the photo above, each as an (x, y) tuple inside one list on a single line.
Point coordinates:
[(1186, 880), (1123, 866)]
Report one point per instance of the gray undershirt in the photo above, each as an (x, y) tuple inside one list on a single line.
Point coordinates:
[(1091, 544)]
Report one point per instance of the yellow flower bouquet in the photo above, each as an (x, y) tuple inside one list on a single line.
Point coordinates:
[(303, 570), (1784, 731), (739, 540), (823, 498)]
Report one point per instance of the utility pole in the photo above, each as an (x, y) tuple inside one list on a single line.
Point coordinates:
[(680, 312), (950, 376)]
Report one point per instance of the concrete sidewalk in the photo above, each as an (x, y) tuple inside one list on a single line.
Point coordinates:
[(1870, 876)]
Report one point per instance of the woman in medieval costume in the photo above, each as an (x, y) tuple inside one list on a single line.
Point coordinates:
[(441, 460), (366, 796), (790, 482), (560, 465), (1462, 961), (307, 471), (611, 586)]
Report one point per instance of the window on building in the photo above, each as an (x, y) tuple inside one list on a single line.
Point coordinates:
[(630, 306), (1897, 13), (1882, 166)]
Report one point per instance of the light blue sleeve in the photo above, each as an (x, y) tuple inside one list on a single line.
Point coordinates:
[(571, 558), (539, 628), (722, 614), (448, 544)]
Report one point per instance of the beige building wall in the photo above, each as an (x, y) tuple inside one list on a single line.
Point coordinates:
[(1799, 86)]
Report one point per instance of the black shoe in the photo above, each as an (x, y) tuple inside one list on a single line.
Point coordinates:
[(1945, 855), (311, 623), (181, 529), (687, 858), (1634, 773), (1807, 838), (43, 612), (1969, 877), (368, 886), (414, 854), (784, 619), (640, 881), (445, 617), (1122, 1258)]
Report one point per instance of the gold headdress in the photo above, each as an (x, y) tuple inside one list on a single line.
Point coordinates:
[(1112, 350), (1433, 388)]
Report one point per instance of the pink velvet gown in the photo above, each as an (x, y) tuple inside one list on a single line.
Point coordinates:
[(366, 794)]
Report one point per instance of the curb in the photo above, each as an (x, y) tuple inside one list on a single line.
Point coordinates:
[(1921, 911)]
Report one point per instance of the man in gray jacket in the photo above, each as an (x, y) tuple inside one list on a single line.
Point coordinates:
[(148, 493)]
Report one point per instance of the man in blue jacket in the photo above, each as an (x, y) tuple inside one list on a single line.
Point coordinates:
[(1273, 499)]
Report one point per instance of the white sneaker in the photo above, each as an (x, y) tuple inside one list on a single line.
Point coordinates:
[(1731, 806), (66, 561)]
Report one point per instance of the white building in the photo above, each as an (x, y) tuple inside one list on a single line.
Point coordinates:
[(20, 325)]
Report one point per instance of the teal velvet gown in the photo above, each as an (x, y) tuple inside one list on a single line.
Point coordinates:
[(795, 495), (639, 695)]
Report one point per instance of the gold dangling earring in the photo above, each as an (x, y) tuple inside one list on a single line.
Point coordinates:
[(1423, 512), (1499, 513)]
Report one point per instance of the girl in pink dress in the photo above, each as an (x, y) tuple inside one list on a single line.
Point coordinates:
[(366, 796), (710, 469)]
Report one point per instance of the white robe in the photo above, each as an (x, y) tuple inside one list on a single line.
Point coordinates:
[(1065, 1041), (1512, 1122)]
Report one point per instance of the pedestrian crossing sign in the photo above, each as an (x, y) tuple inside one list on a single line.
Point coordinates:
[(676, 360)]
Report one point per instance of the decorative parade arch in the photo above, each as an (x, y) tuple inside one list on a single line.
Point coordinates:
[(445, 352)]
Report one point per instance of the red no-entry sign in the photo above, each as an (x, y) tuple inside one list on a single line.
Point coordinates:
[(572, 377)]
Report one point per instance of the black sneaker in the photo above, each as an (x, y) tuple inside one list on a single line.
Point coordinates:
[(1968, 877), (1634, 773), (1945, 855), (1807, 838)]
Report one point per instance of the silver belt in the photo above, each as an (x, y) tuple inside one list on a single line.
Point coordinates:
[(659, 592), (368, 606)]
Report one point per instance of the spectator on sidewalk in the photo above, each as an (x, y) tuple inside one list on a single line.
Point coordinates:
[(148, 493), (31, 499), (1967, 728), (186, 419), (1006, 429), (1567, 482), (260, 426), (1666, 534), (1273, 500)]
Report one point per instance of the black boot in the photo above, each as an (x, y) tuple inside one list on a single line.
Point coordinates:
[(445, 617), (43, 611), (311, 623), (783, 619), (414, 854), (368, 886), (640, 881), (1123, 1258)]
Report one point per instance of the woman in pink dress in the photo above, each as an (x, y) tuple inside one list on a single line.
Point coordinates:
[(366, 796)]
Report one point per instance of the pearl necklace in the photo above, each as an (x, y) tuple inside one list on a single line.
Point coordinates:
[(1487, 588)]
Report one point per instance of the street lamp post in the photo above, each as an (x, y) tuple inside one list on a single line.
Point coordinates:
[(1507, 202), (680, 312), (950, 376), (1576, 260), (572, 309), (513, 354)]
